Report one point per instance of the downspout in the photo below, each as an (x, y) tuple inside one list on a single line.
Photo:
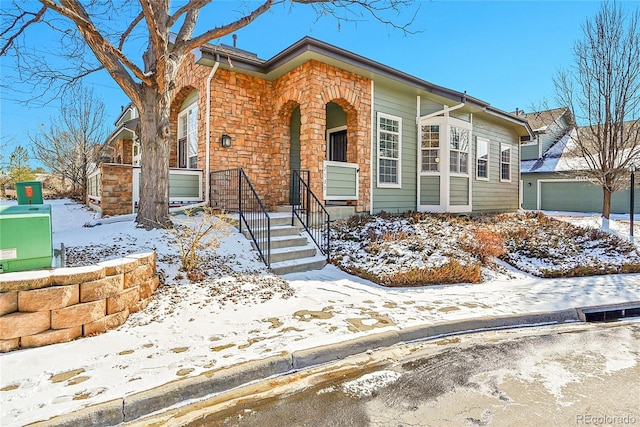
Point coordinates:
[(372, 148), (207, 167), (208, 131)]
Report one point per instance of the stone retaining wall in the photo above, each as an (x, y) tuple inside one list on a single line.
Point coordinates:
[(44, 307)]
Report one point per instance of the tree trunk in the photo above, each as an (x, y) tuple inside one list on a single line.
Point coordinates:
[(606, 202), (153, 210)]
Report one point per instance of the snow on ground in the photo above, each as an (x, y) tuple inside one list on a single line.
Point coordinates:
[(240, 312)]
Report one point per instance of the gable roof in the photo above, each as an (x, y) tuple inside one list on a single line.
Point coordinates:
[(309, 48), (541, 120), (563, 155)]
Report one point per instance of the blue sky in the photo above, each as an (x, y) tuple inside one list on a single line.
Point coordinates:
[(502, 52)]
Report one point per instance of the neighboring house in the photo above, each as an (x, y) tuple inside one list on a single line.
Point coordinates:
[(370, 138), (553, 176)]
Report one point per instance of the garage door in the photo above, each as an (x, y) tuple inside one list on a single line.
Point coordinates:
[(580, 196)]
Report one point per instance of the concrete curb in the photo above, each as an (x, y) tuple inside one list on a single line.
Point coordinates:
[(146, 402), (422, 332), (101, 414), (331, 352)]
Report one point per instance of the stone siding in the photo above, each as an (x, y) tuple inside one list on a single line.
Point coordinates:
[(117, 189), (51, 306), (256, 113)]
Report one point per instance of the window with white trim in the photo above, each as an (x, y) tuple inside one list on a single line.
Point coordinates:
[(188, 137), (389, 150), (459, 150), (505, 162), (430, 148), (482, 158)]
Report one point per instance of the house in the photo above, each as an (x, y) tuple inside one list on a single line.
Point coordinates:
[(361, 136), (370, 138), (554, 176)]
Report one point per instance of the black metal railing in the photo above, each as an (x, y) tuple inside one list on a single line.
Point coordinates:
[(310, 212), (231, 191), (294, 186)]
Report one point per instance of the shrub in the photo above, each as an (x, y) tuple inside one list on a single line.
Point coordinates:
[(451, 272), (484, 244)]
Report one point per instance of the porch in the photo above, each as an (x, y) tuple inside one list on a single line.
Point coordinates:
[(114, 189)]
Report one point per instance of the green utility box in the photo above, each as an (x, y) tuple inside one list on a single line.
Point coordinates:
[(29, 192), (25, 237)]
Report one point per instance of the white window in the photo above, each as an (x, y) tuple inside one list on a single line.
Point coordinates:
[(459, 150), (482, 158), (430, 148), (505, 162), (389, 150), (188, 137)]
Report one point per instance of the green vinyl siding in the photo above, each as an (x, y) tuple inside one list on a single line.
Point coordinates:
[(336, 116), (341, 181), (430, 190), (459, 191), (294, 154), (395, 102), (494, 195), (552, 134), (428, 106), (182, 185), (294, 131), (529, 152)]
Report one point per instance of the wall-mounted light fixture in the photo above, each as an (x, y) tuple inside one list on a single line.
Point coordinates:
[(225, 141), (529, 184)]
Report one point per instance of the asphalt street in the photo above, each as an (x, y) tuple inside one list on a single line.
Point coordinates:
[(562, 375)]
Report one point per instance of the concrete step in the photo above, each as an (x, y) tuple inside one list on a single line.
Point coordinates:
[(276, 231), (295, 266), (292, 253), (275, 219), (285, 241)]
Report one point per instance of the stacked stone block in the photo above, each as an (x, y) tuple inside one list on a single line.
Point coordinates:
[(51, 306)]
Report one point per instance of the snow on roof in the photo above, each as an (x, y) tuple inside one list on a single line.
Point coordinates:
[(558, 158)]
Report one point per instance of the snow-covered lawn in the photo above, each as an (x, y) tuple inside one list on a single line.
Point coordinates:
[(389, 248), (240, 312)]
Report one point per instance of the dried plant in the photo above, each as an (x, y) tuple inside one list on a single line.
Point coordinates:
[(199, 231)]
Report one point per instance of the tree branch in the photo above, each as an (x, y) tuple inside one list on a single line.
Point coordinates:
[(37, 16), (227, 29), (191, 5), (129, 29)]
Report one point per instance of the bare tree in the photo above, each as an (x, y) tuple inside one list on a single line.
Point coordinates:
[(602, 90), (110, 29), (67, 147)]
